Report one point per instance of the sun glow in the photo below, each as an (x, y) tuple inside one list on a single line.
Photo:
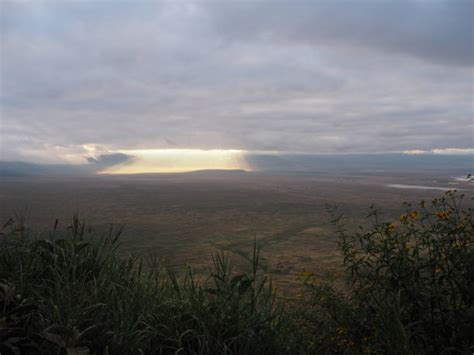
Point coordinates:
[(178, 160)]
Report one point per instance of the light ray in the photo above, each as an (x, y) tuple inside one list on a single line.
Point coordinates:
[(179, 160)]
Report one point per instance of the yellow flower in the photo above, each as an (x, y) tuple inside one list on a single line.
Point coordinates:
[(413, 214), (340, 330), (442, 215), (391, 227), (403, 218)]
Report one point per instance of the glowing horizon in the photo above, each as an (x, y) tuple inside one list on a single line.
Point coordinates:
[(179, 161)]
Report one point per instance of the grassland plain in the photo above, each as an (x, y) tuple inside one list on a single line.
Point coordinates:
[(408, 290), (184, 217)]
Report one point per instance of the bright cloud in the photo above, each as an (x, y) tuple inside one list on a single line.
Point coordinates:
[(178, 160)]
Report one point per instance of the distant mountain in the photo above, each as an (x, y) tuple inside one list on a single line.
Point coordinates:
[(366, 163), (18, 168), (456, 165), (216, 172)]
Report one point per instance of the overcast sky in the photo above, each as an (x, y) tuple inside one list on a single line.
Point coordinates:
[(81, 78)]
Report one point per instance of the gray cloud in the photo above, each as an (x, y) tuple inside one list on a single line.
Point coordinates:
[(106, 160), (439, 31), (291, 76)]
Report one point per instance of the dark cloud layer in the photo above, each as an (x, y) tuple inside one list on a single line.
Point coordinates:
[(433, 31), (105, 160), (90, 78)]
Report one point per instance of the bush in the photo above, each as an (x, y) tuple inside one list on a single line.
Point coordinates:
[(410, 284)]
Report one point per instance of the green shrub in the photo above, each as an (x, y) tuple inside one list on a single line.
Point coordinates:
[(410, 284)]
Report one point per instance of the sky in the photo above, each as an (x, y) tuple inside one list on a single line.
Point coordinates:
[(82, 79)]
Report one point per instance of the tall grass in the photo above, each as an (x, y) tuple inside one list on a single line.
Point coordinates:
[(80, 296), (409, 290)]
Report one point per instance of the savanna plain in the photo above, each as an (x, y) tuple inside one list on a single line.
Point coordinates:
[(183, 218)]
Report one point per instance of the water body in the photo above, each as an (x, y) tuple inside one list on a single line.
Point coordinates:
[(420, 187), (463, 179)]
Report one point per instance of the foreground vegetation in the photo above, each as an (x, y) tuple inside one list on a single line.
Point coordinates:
[(409, 289)]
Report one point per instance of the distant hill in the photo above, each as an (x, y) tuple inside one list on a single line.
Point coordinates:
[(290, 164), (362, 163), (19, 168)]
